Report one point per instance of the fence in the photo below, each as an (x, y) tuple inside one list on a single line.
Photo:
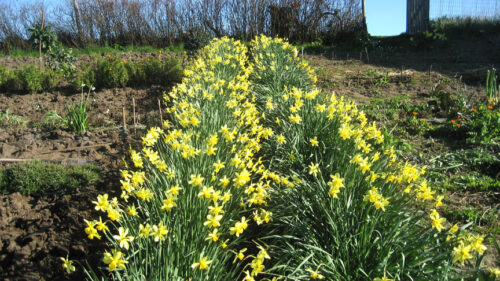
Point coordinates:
[(419, 12)]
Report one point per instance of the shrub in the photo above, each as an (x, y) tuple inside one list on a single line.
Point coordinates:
[(111, 72), (195, 39), (86, 75), (5, 76), (154, 71), (137, 76), (52, 78), (31, 78), (40, 178)]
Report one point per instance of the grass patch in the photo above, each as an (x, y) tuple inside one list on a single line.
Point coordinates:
[(93, 50), (40, 178)]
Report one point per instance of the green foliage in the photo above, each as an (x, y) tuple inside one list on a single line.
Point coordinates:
[(473, 169), (5, 75), (155, 71), (195, 39), (9, 120), (52, 79), (111, 72), (428, 40), (483, 125), (40, 178), (492, 90), (85, 75), (45, 35), (62, 60), (31, 78)]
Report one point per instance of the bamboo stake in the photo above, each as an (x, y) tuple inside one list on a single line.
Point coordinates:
[(161, 115), (124, 119), (133, 110), (65, 161)]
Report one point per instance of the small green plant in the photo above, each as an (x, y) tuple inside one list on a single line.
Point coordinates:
[(76, 115), (61, 59), (40, 178), (382, 81), (492, 89), (8, 120), (483, 127)]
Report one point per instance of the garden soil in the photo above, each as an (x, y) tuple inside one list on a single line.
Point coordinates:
[(36, 231)]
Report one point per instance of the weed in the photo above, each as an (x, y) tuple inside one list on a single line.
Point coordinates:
[(382, 81), (9, 120), (40, 178)]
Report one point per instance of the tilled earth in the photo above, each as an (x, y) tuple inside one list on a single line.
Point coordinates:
[(36, 231)]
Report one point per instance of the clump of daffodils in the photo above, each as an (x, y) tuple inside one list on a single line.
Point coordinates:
[(253, 154)]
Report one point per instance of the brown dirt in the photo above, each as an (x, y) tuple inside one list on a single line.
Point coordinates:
[(36, 232)]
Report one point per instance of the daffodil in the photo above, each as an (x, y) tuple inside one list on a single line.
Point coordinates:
[(67, 265), (102, 203), (202, 264), (122, 238), (115, 260), (313, 169), (314, 274), (314, 141), (213, 236), (461, 253)]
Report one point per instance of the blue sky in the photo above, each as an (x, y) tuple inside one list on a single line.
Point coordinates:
[(386, 17)]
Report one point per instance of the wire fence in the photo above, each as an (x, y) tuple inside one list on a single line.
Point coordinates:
[(489, 9)]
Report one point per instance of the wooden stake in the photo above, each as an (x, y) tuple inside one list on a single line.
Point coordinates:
[(367, 56), (133, 110), (161, 115)]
